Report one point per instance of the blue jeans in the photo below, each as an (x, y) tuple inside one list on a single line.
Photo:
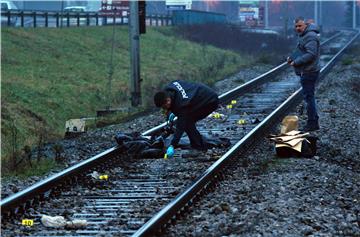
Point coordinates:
[(308, 81)]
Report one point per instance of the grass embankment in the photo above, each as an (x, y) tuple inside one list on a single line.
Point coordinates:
[(52, 75)]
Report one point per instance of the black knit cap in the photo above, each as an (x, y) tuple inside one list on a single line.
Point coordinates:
[(159, 98)]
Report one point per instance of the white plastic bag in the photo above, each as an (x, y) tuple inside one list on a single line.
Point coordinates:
[(60, 222)]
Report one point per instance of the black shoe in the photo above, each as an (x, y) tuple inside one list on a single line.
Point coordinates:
[(308, 128)]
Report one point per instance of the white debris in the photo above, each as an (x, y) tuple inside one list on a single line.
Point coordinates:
[(61, 222)]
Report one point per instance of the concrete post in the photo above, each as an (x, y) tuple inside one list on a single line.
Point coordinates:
[(316, 17), (134, 54), (266, 14), (354, 14), (320, 13)]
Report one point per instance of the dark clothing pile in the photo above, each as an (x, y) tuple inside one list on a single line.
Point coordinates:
[(190, 102), (139, 146)]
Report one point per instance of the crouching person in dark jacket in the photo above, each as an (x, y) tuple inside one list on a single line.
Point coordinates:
[(190, 102)]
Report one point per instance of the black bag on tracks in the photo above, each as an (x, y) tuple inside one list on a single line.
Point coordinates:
[(138, 146), (308, 149)]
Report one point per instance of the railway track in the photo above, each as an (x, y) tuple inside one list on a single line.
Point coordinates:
[(136, 189)]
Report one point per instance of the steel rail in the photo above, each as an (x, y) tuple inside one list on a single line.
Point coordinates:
[(40, 187), (9, 203), (175, 207)]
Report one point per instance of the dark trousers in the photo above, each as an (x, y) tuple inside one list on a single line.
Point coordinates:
[(194, 135), (308, 82)]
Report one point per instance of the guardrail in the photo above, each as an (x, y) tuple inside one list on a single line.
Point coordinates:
[(68, 19)]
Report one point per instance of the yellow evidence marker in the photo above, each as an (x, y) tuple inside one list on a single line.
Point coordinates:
[(165, 156), (27, 222), (217, 115), (229, 106), (233, 102), (104, 177), (241, 122)]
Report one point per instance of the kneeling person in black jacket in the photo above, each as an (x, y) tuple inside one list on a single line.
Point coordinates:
[(190, 102)]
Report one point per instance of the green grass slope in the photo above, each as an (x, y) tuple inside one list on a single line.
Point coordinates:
[(51, 75)]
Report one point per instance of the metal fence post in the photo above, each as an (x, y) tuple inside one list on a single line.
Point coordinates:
[(34, 19), (97, 19), (57, 19), (78, 19), (46, 19), (134, 54), (8, 18), (157, 20), (68, 19), (87, 19), (22, 18)]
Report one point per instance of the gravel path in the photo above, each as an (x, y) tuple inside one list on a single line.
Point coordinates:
[(268, 196)]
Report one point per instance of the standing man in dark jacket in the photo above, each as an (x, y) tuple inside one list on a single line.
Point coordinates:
[(190, 102), (305, 61)]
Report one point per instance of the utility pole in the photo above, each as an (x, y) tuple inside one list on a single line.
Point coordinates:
[(320, 23), (354, 14), (111, 67), (320, 13), (266, 14), (316, 18), (62, 12), (134, 54), (286, 19)]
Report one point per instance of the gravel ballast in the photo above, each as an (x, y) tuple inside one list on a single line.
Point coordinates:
[(268, 196)]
